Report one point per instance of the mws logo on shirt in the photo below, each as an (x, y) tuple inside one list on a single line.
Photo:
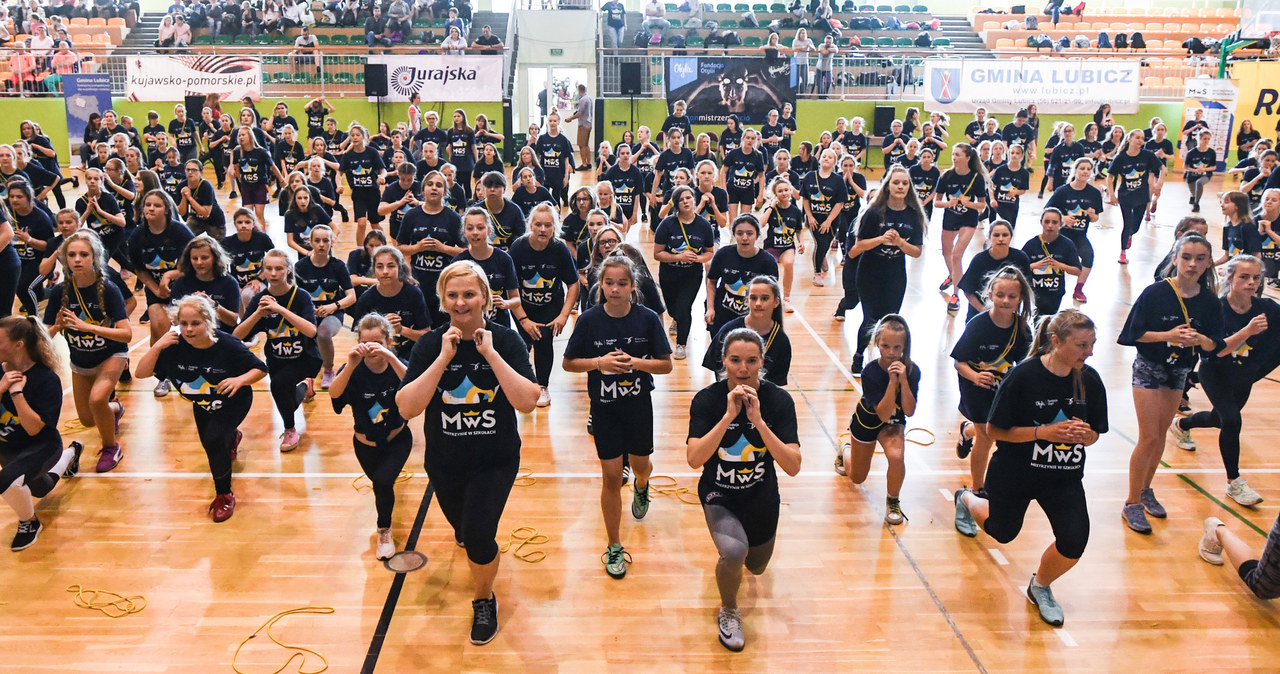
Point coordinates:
[(741, 464)]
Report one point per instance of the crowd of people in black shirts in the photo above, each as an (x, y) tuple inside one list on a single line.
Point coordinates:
[(460, 278)]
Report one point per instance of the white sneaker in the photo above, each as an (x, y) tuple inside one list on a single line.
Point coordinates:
[(786, 306), (1239, 491), (162, 388), (544, 397), (1181, 437), (386, 546), (730, 623), (819, 280), (681, 352), (1210, 546)]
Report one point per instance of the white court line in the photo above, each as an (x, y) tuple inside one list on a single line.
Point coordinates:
[(946, 495), (1066, 638), (811, 474), (830, 354), (1000, 558)]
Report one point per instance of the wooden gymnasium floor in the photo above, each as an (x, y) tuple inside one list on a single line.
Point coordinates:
[(842, 592)]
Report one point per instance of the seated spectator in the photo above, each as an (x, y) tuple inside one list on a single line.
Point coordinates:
[(165, 39), (454, 44), (655, 19), (250, 19), (197, 15), (305, 47), (454, 22), (41, 44), (271, 17), (464, 10), (489, 40), (22, 69), (399, 19), (64, 62), (440, 8), (181, 32), (375, 29), (295, 15)]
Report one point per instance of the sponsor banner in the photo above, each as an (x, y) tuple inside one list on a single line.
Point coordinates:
[(173, 78), (1057, 86), (1217, 99), (443, 78), (714, 88), (1259, 95), (84, 95)]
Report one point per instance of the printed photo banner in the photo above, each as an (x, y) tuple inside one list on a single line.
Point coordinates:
[(1056, 86), (173, 78), (714, 88), (84, 95), (443, 78)]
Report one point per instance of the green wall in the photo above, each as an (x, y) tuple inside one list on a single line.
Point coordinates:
[(49, 113)]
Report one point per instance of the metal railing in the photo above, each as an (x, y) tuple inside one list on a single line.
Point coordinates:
[(890, 75)]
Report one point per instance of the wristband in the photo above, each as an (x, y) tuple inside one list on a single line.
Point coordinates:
[(14, 393), (1037, 432)]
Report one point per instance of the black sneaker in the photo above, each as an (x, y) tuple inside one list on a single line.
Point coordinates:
[(145, 317), (73, 469), (942, 287), (125, 376), (27, 534), (965, 444), (484, 622), (855, 367)]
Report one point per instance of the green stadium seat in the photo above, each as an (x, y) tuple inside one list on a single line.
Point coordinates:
[(729, 23), (920, 9), (787, 41), (751, 41), (322, 38), (741, 7), (671, 7), (884, 9), (844, 42), (696, 41), (344, 78), (262, 39), (351, 60), (942, 42), (675, 23), (723, 8), (328, 77), (332, 60), (777, 8), (202, 39), (359, 77), (339, 40), (902, 9), (439, 23), (422, 23), (243, 38), (302, 77), (760, 9), (866, 8), (281, 77), (281, 39), (884, 42), (222, 39), (904, 42)]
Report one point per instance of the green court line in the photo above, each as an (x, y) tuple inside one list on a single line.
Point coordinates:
[(1224, 506)]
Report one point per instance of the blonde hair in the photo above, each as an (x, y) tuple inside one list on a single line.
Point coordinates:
[(375, 321), (202, 306), (464, 269)]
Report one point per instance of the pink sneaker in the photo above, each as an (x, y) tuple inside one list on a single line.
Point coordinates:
[(289, 441), (326, 379), (109, 458), (1078, 295)]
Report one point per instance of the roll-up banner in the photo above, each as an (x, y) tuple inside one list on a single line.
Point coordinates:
[(173, 78), (1057, 86), (443, 78), (84, 95), (715, 87)]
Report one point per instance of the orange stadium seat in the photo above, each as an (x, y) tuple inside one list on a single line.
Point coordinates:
[(1152, 81), (79, 21), (98, 22)]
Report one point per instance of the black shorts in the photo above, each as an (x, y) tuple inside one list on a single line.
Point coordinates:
[(1010, 491), (1083, 247), (758, 516), (976, 405), (252, 195), (623, 428), (745, 197), (365, 204), (865, 426), (954, 222)]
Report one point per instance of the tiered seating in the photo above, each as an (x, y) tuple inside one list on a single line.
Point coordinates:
[(729, 16), (1163, 29)]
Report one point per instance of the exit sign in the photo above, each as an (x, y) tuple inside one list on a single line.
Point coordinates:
[(557, 52)]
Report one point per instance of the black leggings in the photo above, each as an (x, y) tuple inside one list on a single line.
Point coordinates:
[(383, 462), (543, 349), (1047, 304), (1008, 212), (30, 286), (472, 502), (217, 430), (849, 280), (821, 246), (463, 179), (1131, 213), (881, 287), (1010, 493), (1228, 388), (32, 463), (10, 270), (679, 289), (289, 386), (559, 193)]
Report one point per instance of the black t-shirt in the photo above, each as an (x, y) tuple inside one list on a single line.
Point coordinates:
[(1258, 350), (777, 351), (372, 397), (668, 162), (674, 122), (462, 145), (278, 123), (1165, 146), (1062, 158), (158, 253), (506, 225), (298, 224), (43, 393), (1018, 135), (333, 141), (526, 200), (1075, 205), (782, 227), (488, 42), (247, 256), (987, 347), (677, 237), (823, 194), (254, 165), (183, 134), (742, 468), (197, 372), (731, 274), (555, 153), (875, 383), (1005, 179), (1241, 239), (771, 131), (719, 198), (743, 169), (445, 227), (394, 192), (325, 285), (469, 423), (152, 130), (1048, 281), (223, 290), (543, 275), (106, 203), (974, 128), (1160, 308), (925, 181), (952, 185), (896, 153), (437, 136), (1031, 395), (205, 196), (409, 304), (983, 265), (285, 343), (627, 185), (287, 156), (877, 221), (362, 168), (1131, 174), (38, 224), (1200, 162), (638, 334), (730, 140), (855, 143), (87, 349)]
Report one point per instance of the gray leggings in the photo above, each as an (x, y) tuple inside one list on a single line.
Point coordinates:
[(1263, 575), (1196, 185), (325, 330), (731, 542)]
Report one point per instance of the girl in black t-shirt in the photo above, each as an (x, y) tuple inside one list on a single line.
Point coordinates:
[(90, 313), (764, 316), (683, 243), (470, 377), (783, 222), (462, 150), (890, 231), (216, 372), (1198, 167), (32, 232), (962, 191), (246, 249), (286, 315), (738, 428), (328, 281), (889, 388), (31, 451), (620, 344), (549, 288), (1046, 412), (397, 298), (1081, 205), (305, 214), (252, 169), (730, 272), (824, 196), (992, 343), (205, 269), (1052, 258), (997, 255), (360, 262), (363, 168), (1134, 181), (1009, 181), (368, 383)]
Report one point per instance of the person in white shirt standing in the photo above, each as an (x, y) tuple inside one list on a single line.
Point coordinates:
[(585, 114)]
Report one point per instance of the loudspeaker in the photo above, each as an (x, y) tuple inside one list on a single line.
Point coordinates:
[(883, 120), (629, 74), (375, 80)]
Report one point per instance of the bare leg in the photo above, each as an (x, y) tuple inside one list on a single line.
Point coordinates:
[(1155, 410), (891, 440), (980, 456), (482, 576), (611, 498), (1052, 566), (857, 460)]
